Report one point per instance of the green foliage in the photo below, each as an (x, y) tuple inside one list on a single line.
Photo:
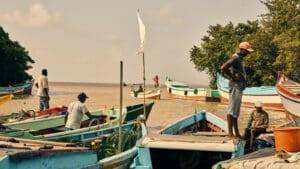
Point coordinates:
[(109, 146), (218, 46), (14, 61), (275, 38)]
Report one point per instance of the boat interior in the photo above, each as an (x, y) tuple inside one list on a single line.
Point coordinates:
[(87, 123), (187, 157)]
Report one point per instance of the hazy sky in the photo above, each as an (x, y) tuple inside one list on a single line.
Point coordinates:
[(84, 40)]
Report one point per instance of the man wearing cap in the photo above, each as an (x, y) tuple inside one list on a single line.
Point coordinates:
[(257, 124), (235, 70), (76, 110)]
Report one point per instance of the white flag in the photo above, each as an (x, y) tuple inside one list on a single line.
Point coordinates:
[(142, 30)]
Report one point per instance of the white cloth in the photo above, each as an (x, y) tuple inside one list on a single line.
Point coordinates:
[(42, 83), (76, 111)]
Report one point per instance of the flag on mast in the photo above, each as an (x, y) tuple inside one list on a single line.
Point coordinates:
[(142, 30)]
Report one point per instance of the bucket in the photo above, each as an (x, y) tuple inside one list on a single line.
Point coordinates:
[(287, 138)]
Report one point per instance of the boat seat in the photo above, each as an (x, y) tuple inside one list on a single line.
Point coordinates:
[(221, 134), (195, 139)]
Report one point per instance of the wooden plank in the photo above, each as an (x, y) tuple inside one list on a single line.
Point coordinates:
[(11, 139), (191, 139), (222, 134)]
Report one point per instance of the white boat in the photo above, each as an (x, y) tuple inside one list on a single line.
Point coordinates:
[(289, 92), (149, 94), (266, 94), (183, 91)]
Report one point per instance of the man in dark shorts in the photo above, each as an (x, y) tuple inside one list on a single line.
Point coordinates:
[(235, 70), (257, 124)]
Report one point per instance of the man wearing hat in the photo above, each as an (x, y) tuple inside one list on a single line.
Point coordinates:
[(257, 124), (235, 70), (76, 110)]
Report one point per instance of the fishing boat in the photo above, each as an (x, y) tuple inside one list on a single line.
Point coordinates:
[(184, 91), (289, 92), (19, 89), (27, 114), (149, 94), (24, 154), (197, 141), (107, 161), (266, 94), (102, 142), (5, 98), (54, 126)]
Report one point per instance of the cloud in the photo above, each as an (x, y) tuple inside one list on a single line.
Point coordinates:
[(38, 16)]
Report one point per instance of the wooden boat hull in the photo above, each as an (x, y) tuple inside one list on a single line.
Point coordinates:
[(151, 94), (118, 161), (170, 150), (289, 92), (270, 100), (129, 114), (27, 154)]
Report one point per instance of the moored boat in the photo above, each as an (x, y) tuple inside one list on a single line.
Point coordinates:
[(184, 91), (24, 154), (289, 92), (108, 161), (54, 126), (149, 94), (197, 141), (18, 90), (266, 94)]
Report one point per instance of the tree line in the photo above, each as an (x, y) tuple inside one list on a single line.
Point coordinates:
[(275, 37)]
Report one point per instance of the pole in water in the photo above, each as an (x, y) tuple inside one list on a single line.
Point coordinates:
[(121, 105)]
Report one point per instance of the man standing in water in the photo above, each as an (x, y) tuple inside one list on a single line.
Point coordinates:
[(235, 70), (156, 81), (43, 90)]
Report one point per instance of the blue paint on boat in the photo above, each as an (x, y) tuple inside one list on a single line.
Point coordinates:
[(223, 84), (146, 149)]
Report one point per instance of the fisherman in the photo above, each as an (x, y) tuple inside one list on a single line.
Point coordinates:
[(76, 110), (156, 81), (235, 70), (257, 124), (43, 90)]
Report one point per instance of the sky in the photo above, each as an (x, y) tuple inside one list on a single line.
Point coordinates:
[(85, 40)]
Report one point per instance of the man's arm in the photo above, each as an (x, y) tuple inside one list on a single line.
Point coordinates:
[(225, 67)]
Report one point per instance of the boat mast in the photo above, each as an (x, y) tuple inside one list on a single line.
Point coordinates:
[(142, 38), (121, 109), (144, 81)]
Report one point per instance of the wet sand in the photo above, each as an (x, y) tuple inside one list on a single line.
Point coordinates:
[(165, 111)]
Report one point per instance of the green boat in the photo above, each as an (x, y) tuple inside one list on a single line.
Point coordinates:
[(54, 126), (24, 154)]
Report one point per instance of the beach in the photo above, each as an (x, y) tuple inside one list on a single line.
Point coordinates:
[(104, 96)]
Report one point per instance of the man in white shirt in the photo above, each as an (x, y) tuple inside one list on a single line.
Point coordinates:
[(76, 110), (43, 90)]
